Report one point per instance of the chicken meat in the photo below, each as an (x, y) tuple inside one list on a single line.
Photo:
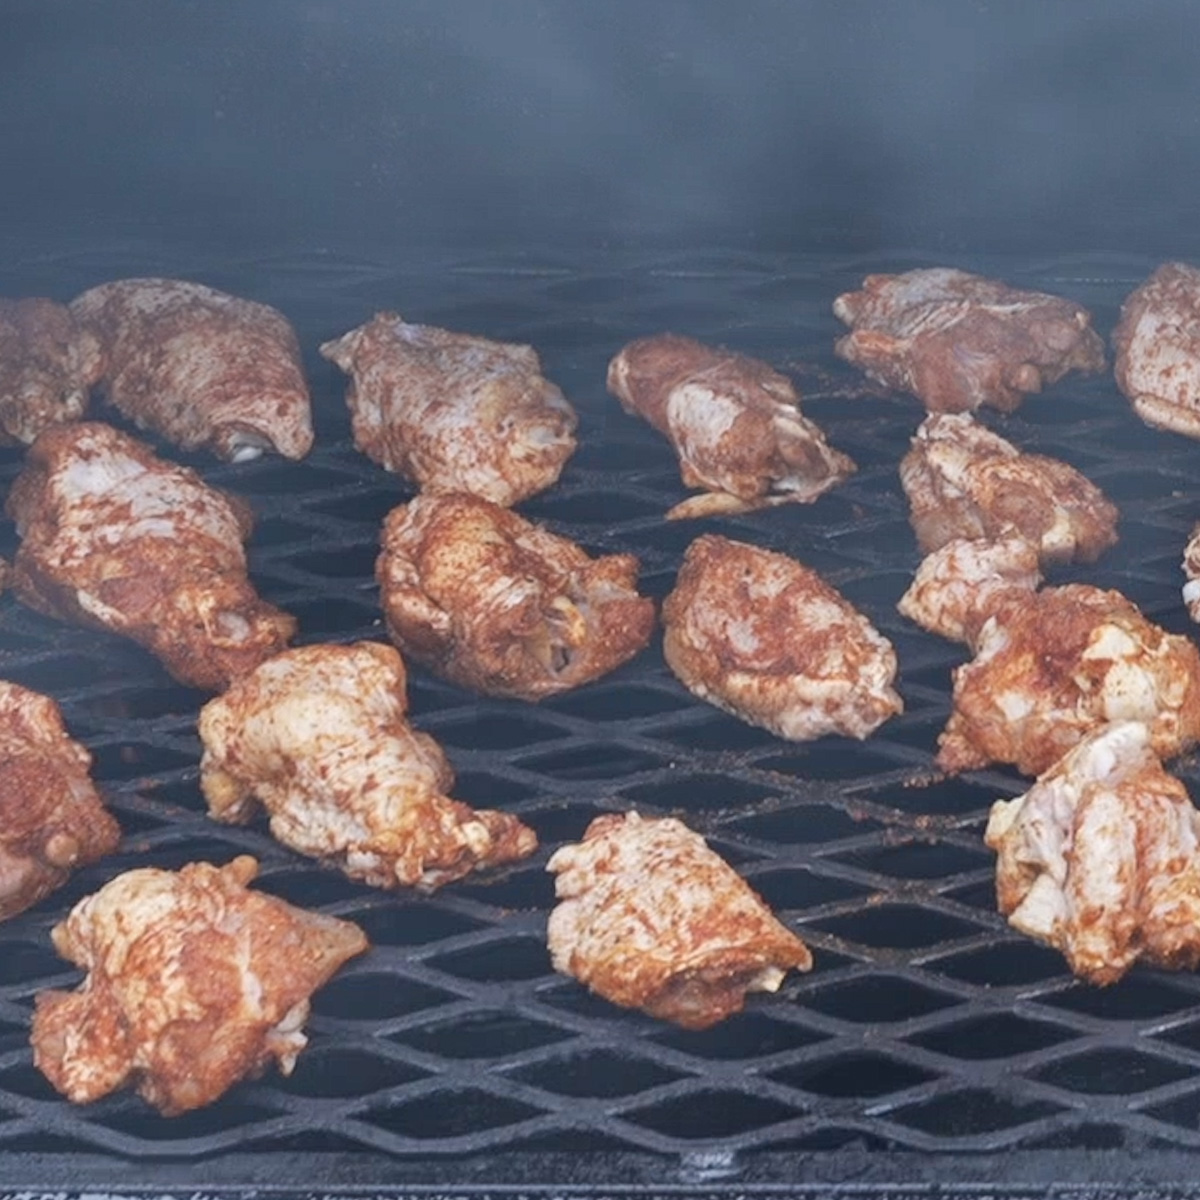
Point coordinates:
[(957, 341), (203, 369), (497, 604), (193, 983), (734, 422), (116, 538), (649, 917), (453, 412), (766, 639), (1191, 569)]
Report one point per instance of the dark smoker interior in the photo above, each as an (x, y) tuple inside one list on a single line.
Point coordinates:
[(574, 176)]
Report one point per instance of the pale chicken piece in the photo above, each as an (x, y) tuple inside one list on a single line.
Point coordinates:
[(957, 341), (116, 538), (766, 639), (1051, 667), (649, 917), (734, 422), (193, 983), (963, 481), (1101, 858), (454, 412), (500, 605), (48, 364), (204, 369), (1191, 568), (52, 819), (318, 737)]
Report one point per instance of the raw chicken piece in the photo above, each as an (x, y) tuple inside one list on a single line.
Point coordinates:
[(194, 983), (317, 735), (200, 367), (734, 422), (768, 640), (957, 340), (48, 363), (1191, 568), (454, 412), (649, 917), (1051, 667), (963, 481), (51, 817), (497, 604), (1101, 858), (116, 538)]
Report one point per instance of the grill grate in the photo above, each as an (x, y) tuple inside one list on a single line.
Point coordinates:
[(926, 1025)]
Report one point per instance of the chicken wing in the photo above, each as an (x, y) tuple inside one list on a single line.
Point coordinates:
[(957, 341), (734, 422), (766, 639), (497, 604), (204, 369), (51, 818), (1101, 858), (649, 917), (963, 481), (317, 736), (1191, 568), (193, 983), (116, 538), (454, 412)]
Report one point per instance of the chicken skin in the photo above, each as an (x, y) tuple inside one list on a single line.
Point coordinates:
[(958, 341), (734, 422), (1191, 568), (118, 539), (194, 982), (1051, 667), (453, 412), (51, 818), (318, 737), (203, 369), (963, 481), (649, 917), (1101, 858), (768, 640), (48, 364), (497, 604)]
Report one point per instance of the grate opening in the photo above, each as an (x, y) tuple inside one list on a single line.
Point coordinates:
[(896, 926), (710, 1114), (878, 998), (1111, 1072), (972, 1111), (596, 1073), (482, 1035), (1000, 1035), (862, 1074)]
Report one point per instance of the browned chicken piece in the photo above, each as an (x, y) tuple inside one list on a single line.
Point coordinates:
[(204, 369), (649, 917), (956, 586), (963, 481), (734, 422), (51, 818), (318, 737), (48, 363), (193, 983), (957, 341), (497, 604), (5, 575), (1101, 858), (1051, 667), (1191, 568), (768, 640), (453, 412), (115, 538)]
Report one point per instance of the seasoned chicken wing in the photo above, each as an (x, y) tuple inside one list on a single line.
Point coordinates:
[(734, 422), (963, 481), (649, 917), (51, 818), (1101, 858), (48, 363), (204, 369), (957, 341), (193, 983), (318, 737), (768, 640), (1052, 666), (497, 604), (116, 538), (454, 412), (1191, 568)]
